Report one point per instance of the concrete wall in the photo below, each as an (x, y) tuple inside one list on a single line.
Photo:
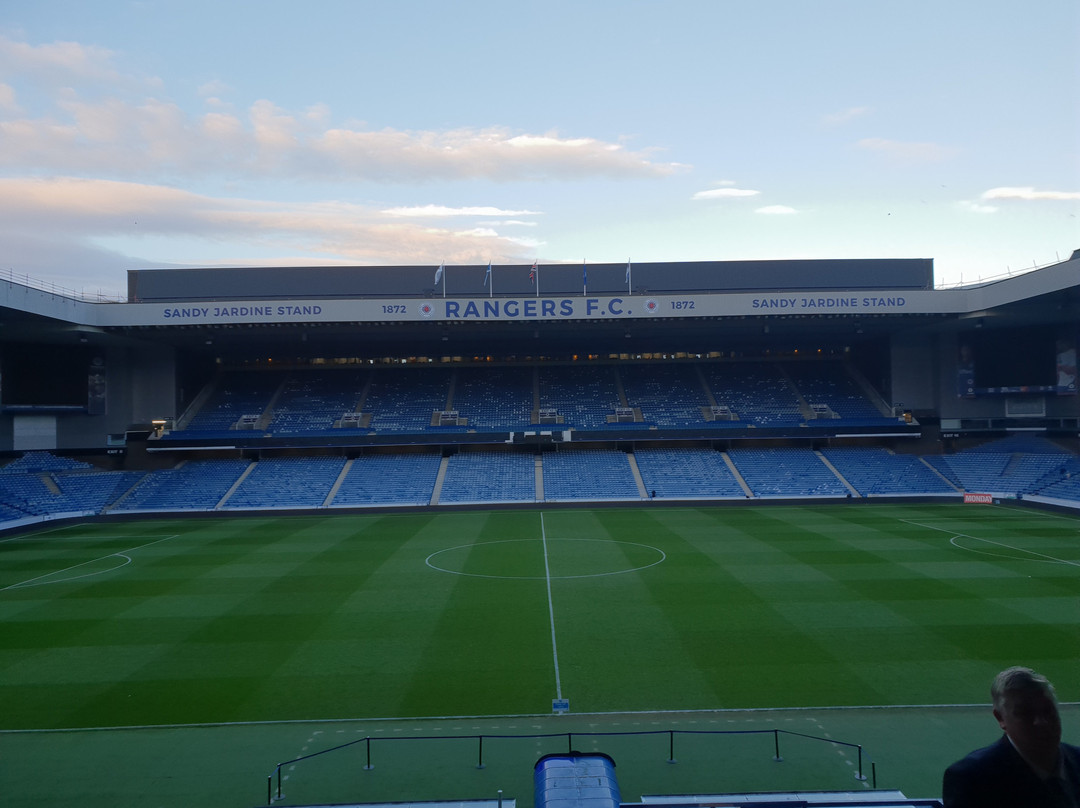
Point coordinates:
[(141, 386), (915, 382), (951, 405)]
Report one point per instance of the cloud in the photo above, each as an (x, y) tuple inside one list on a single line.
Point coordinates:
[(93, 121), (153, 138), (213, 89), (907, 151), (1029, 193), (7, 98), (493, 153), (441, 210), (80, 213), (479, 232), (511, 223), (56, 60), (725, 193), (975, 207), (776, 210), (845, 116)]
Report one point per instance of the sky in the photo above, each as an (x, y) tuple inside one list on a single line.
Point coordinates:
[(137, 134)]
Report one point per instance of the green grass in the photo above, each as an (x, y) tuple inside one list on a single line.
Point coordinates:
[(191, 621)]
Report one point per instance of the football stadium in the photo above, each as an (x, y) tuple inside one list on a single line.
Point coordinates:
[(702, 533)]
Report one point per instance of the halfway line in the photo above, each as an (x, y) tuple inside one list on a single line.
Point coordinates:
[(551, 610)]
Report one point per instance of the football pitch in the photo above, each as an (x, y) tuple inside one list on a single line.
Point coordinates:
[(158, 625)]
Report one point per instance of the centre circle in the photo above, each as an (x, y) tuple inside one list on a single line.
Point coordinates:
[(540, 559)]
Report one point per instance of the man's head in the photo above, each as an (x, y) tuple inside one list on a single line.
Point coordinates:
[(1026, 708)]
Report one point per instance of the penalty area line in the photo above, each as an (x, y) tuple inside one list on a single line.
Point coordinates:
[(955, 534), (121, 553)]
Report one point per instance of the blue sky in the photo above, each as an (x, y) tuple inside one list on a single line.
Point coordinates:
[(153, 133)]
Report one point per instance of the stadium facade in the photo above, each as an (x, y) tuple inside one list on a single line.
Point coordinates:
[(85, 376)]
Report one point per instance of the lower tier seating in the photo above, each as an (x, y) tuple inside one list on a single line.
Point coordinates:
[(412, 479)]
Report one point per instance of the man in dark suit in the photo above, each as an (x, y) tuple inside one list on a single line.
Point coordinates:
[(1029, 767)]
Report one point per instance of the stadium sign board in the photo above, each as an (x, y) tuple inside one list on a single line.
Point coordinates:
[(522, 308)]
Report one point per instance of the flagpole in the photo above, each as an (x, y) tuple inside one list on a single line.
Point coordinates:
[(629, 278), (584, 279), (538, 280)]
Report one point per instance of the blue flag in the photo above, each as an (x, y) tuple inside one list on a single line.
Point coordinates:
[(487, 275), (439, 272)]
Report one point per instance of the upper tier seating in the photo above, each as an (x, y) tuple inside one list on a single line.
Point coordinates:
[(494, 399), (237, 393), (757, 392), (588, 474), (403, 399), (312, 401), (583, 395), (669, 395), (830, 384)]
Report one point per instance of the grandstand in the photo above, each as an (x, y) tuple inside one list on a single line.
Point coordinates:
[(730, 381), (704, 351), (332, 390)]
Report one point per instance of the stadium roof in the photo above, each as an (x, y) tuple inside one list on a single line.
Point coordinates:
[(550, 280), (700, 307)]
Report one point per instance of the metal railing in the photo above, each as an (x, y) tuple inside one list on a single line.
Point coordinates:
[(12, 277), (274, 779)]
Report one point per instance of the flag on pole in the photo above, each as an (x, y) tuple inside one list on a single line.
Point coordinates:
[(532, 273), (487, 275), (629, 291), (440, 275)]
